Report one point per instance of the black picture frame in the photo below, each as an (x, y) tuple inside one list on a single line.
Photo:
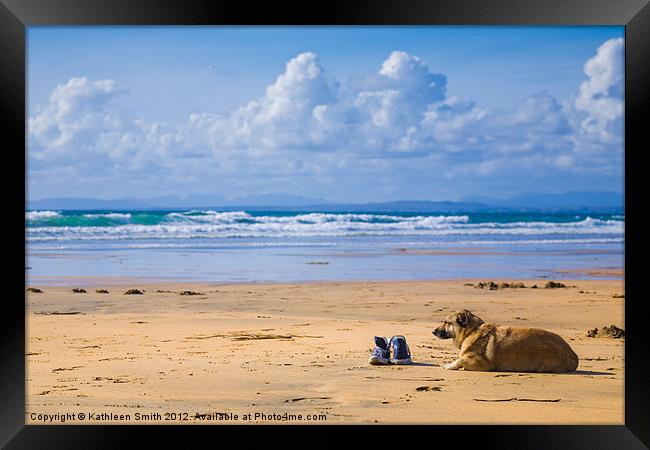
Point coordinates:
[(17, 15)]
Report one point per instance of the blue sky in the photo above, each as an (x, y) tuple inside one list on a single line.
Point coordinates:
[(359, 113)]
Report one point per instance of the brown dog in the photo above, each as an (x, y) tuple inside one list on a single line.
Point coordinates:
[(486, 347)]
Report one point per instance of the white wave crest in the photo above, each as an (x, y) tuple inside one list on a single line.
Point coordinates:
[(206, 217), (40, 215), (242, 225), (114, 216), (230, 217)]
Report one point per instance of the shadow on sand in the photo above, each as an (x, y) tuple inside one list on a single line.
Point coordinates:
[(589, 372), (574, 373), (502, 374), (421, 364)]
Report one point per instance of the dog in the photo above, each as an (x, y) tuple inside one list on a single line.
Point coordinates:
[(489, 347)]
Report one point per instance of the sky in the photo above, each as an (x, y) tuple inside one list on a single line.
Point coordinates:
[(338, 113)]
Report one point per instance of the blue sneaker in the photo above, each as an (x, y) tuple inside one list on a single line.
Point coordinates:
[(401, 352), (381, 353)]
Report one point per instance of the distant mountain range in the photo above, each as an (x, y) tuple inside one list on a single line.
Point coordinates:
[(173, 202), (567, 200), (601, 201)]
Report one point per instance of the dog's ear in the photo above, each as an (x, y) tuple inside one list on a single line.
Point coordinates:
[(463, 318)]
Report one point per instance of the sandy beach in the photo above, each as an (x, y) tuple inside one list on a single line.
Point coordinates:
[(232, 351)]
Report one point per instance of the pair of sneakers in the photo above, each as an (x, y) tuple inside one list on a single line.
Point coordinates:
[(383, 347)]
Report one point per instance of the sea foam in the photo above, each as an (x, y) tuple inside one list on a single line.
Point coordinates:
[(40, 215), (243, 225)]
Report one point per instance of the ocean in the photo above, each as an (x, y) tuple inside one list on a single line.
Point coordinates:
[(275, 246)]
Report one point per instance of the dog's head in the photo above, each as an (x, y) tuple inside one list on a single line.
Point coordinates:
[(458, 326)]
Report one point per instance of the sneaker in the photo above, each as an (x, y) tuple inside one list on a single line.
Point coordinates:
[(401, 352), (381, 353)]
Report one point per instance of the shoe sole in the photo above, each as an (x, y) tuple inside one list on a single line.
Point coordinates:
[(401, 361), (378, 361)]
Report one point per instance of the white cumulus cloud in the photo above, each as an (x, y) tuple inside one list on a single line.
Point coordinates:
[(306, 125), (601, 95)]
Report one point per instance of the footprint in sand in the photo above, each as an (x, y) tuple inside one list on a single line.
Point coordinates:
[(299, 399), (66, 368)]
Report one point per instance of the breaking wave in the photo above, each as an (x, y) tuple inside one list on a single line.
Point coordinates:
[(47, 226)]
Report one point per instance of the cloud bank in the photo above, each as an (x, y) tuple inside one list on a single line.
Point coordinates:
[(397, 128)]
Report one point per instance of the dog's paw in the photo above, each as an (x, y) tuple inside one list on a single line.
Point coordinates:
[(449, 366)]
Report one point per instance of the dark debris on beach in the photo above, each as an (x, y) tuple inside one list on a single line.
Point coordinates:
[(492, 286), (428, 388), (611, 331), (134, 292)]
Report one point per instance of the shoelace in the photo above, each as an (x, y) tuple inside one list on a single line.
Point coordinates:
[(379, 351)]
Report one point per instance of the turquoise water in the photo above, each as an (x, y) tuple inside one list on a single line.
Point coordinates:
[(39, 219), (211, 245)]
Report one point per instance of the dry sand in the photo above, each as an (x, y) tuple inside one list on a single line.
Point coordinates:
[(302, 349)]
